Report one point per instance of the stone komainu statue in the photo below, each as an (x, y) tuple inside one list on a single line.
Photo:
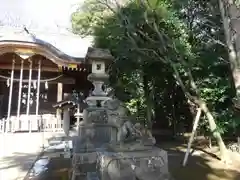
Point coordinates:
[(130, 155), (119, 115)]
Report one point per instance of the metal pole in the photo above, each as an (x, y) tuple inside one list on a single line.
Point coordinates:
[(10, 94), (38, 89), (20, 95), (29, 95)]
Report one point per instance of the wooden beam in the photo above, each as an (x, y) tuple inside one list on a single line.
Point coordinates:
[(59, 98), (59, 91), (44, 68), (195, 125), (18, 67)]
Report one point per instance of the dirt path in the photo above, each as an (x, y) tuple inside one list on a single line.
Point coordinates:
[(201, 166)]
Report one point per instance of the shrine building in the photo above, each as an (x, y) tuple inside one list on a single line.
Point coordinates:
[(35, 74)]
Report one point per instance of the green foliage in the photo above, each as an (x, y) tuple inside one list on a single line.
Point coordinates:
[(188, 34)]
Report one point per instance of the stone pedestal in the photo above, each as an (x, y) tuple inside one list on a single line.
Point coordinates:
[(151, 164)]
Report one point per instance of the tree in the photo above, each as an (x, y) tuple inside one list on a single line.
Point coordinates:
[(230, 14), (143, 35)]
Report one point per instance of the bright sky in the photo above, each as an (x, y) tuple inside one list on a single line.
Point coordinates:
[(47, 15), (49, 20)]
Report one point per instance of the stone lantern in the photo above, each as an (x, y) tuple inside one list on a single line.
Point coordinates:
[(98, 58), (98, 67)]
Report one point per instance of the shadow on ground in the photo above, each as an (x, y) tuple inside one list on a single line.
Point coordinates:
[(47, 166), (18, 153), (50, 168), (200, 166), (17, 160), (16, 165)]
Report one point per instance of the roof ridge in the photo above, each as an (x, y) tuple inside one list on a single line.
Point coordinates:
[(34, 30)]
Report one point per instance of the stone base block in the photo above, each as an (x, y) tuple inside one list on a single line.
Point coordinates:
[(151, 164)]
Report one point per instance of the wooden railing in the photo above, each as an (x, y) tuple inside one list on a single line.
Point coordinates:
[(31, 123)]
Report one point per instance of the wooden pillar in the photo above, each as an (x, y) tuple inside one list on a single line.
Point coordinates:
[(29, 96), (10, 97), (20, 95), (59, 98), (38, 93)]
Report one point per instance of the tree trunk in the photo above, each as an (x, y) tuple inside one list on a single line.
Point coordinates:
[(149, 104), (230, 13), (216, 134), (197, 99)]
